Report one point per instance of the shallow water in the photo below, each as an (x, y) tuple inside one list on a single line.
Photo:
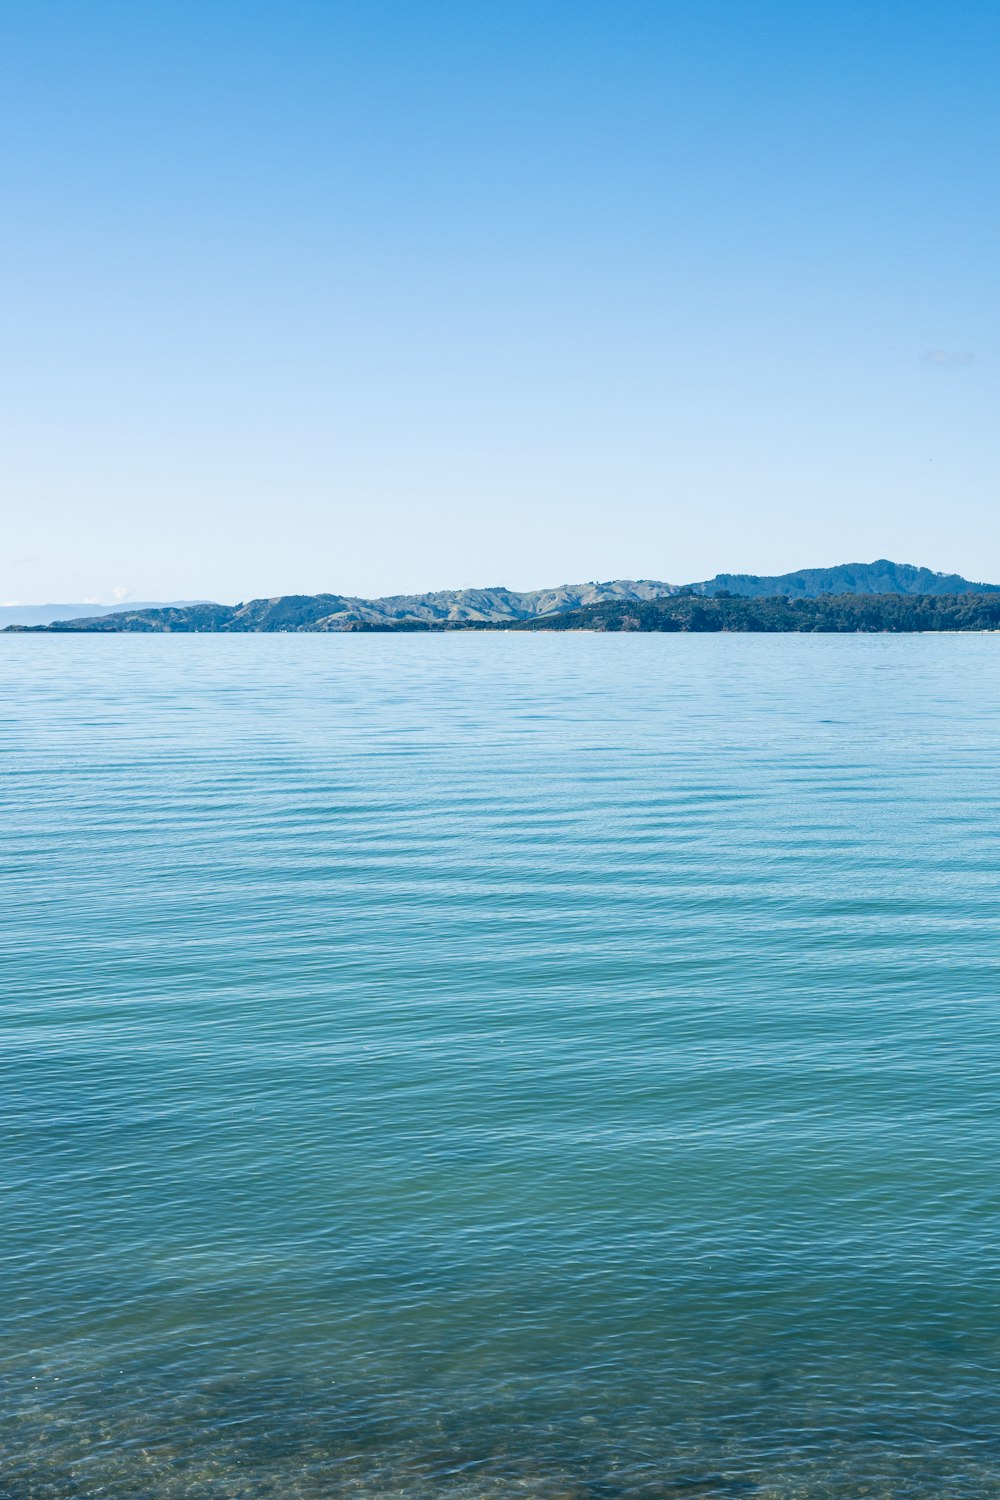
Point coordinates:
[(474, 1066)]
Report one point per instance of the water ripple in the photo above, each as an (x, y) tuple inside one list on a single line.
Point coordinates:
[(468, 1066)]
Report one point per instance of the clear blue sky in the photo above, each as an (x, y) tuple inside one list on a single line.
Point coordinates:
[(383, 295)]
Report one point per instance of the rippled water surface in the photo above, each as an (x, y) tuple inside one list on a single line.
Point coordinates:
[(510, 1065)]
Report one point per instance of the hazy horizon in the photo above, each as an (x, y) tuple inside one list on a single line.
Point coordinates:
[(127, 604)]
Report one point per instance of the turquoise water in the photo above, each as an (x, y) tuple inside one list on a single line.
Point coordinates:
[(509, 1065)]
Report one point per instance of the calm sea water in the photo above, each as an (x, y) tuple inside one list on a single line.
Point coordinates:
[(478, 1066)]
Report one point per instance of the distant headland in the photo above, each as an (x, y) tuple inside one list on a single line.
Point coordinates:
[(877, 596)]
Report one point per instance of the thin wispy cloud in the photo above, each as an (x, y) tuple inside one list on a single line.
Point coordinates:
[(949, 359)]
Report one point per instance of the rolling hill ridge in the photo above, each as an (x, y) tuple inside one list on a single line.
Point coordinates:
[(503, 607)]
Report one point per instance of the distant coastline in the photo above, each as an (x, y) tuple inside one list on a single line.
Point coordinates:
[(853, 597)]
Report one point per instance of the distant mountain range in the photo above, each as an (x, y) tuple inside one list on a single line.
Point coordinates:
[(45, 614), (478, 608)]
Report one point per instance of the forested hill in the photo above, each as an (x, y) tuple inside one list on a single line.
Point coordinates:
[(879, 577), (840, 613)]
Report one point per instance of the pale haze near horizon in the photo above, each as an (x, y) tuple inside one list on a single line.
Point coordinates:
[(379, 297)]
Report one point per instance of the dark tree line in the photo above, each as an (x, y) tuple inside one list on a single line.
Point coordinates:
[(829, 613)]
